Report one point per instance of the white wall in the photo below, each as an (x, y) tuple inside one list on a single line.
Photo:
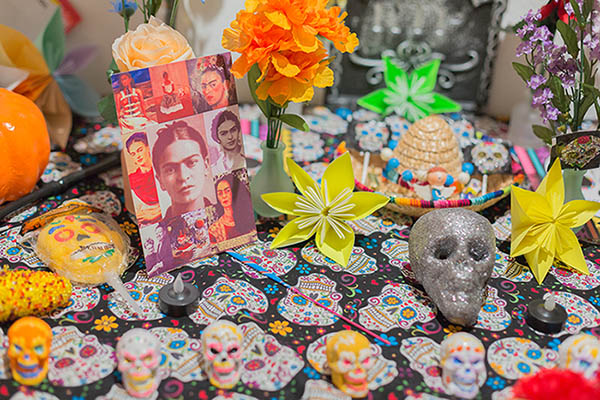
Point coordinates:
[(101, 27)]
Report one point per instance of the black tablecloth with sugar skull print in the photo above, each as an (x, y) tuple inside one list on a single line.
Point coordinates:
[(284, 346)]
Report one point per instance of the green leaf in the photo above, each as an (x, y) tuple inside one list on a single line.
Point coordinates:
[(112, 69), (591, 89), (588, 101), (108, 110), (588, 76), (577, 11), (543, 133), (524, 71), (295, 121), (588, 5), (51, 41), (569, 37), (253, 75), (560, 99)]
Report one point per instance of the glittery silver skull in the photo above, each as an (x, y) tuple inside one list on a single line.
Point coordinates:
[(452, 254)]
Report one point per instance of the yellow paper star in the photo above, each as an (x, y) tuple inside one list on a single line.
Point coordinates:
[(541, 225), (323, 210)]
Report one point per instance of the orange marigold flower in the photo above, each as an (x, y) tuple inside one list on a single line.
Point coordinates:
[(282, 38), (292, 75)]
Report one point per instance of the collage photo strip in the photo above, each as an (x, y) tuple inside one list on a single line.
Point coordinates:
[(185, 160)]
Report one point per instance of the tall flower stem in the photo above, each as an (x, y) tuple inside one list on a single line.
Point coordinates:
[(274, 126), (125, 16), (173, 13)]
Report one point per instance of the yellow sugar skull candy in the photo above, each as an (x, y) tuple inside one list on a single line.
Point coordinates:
[(29, 342), (350, 356), (83, 248)]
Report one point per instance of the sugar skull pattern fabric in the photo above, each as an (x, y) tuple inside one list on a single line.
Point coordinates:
[(279, 354)]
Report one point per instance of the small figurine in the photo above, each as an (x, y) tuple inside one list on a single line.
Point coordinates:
[(462, 359), (138, 356), (350, 357), (580, 353), (452, 253), (29, 342), (222, 353)]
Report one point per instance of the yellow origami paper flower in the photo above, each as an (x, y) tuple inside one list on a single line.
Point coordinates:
[(541, 225), (323, 210)]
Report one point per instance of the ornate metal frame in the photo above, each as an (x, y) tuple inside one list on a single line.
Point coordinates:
[(413, 52)]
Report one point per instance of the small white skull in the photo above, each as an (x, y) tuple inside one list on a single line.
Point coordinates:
[(138, 354), (580, 353), (489, 157), (462, 359), (222, 353)]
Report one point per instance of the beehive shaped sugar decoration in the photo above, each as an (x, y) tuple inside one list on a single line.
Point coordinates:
[(428, 143)]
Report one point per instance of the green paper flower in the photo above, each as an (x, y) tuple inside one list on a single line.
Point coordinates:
[(409, 96)]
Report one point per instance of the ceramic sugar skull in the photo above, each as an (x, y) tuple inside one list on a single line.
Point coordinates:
[(452, 253), (29, 342), (580, 353), (350, 357), (222, 353), (462, 359), (489, 157), (83, 248), (138, 354)]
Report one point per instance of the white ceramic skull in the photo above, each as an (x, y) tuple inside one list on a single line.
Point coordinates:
[(452, 253), (222, 353), (580, 353), (462, 359), (372, 135), (489, 157), (138, 355)]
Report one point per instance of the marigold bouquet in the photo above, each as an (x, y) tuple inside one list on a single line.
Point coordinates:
[(561, 76), (283, 55)]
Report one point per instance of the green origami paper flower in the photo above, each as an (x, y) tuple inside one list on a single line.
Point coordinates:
[(409, 96)]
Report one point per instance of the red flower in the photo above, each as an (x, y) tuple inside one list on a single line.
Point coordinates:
[(558, 5), (583, 139)]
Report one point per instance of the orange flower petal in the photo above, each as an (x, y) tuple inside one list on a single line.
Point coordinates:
[(278, 18), (284, 66), (306, 42)]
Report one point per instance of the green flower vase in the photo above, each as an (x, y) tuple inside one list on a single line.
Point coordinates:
[(573, 179), (271, 177)]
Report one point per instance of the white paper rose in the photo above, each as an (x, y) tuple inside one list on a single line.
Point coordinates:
[(154, 43)]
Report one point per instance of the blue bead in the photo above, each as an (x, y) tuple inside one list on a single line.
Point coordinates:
[(468, 168), (392, 144)]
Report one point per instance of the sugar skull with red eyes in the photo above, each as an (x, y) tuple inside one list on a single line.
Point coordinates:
[(29, 341), (138, 354), (350, 357), (83, 248), (222, 353)]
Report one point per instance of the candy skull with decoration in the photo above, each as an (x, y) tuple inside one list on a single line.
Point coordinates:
[(580, 353), (489, 157), (222, 353), (83, 248), (350, 356), (452, 253), (138, 354), (29, 342), (462, 359)]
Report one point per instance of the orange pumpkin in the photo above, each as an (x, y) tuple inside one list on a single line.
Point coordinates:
[(24, 145)]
